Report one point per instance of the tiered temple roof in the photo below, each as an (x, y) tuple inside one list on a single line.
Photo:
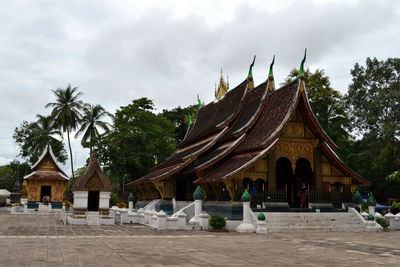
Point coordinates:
[(229, 135)]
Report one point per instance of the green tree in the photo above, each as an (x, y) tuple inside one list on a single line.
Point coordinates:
[(92, 119), (138, 136), (10, 172), (32, 138), (326, 103), (373, 100), (66, 113), (178, 116)]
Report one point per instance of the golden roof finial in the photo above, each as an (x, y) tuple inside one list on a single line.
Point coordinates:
[(222, 87)]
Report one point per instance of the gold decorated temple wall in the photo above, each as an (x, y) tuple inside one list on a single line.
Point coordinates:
[(57, 189)]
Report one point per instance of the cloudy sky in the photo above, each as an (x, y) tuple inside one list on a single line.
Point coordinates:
[(115, 51)]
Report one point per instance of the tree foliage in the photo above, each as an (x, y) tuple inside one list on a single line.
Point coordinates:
[(179, 117), (92, 116), (137, 138), (373, 100), (32, 138), (66, 112), (12, 171)]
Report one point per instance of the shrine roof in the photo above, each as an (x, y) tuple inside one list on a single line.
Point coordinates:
[(92, 169), (274, 115), (46, 175), (48, 151), (217, 114), (330, 154), (234, 165)]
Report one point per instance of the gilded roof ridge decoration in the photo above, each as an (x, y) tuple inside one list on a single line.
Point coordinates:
[(223, 87)]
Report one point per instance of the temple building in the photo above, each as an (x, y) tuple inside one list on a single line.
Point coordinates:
[(46, 179), (259, 138), (92, 196)]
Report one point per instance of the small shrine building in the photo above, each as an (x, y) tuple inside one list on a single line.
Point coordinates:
[(92, 196), (263, 139), (46, 179)]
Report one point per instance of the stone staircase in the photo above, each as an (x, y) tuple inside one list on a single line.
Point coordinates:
[(316, 222), (93, 218)]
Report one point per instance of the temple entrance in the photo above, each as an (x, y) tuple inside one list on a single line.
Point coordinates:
[(180, 189), (285, 180), (45, 191), (93, 200), (303, 174)]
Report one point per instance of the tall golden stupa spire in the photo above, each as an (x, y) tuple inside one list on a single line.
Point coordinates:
[(222, 87)]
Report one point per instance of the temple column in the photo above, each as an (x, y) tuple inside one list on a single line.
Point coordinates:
[(204, 188), (317, 168), (230, 186), (160, 188), (271, 172)]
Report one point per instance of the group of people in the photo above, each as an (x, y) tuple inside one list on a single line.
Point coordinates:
[(46, 200)]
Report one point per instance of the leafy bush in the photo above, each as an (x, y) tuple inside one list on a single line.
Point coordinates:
[(121, 205), (113, 199), (383, 222), (217, 222), (357, 198), (261, 216), (370, 217), (395, 207), (393, 178)]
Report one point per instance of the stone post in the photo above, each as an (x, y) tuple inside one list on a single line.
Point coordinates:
[(181, 220), (247, 226), (131, 198), (371, 204), (204, 218), (198, 206), (161, 220)]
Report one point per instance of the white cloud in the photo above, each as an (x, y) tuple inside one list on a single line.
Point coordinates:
[(115, 51)]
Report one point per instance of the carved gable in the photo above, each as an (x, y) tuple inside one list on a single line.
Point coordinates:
[(47, 164), (94, 183)]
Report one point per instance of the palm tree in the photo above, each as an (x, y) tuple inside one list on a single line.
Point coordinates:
[(91, 119), (43, 132), (66, 112)]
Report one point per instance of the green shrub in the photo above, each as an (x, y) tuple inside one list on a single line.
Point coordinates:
[(370, 217), (113, 199), (217, 222), (261, 216), (357, 198), (371, 200), (383, 222)]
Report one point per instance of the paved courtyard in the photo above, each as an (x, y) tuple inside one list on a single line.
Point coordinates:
[(32, 240)]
